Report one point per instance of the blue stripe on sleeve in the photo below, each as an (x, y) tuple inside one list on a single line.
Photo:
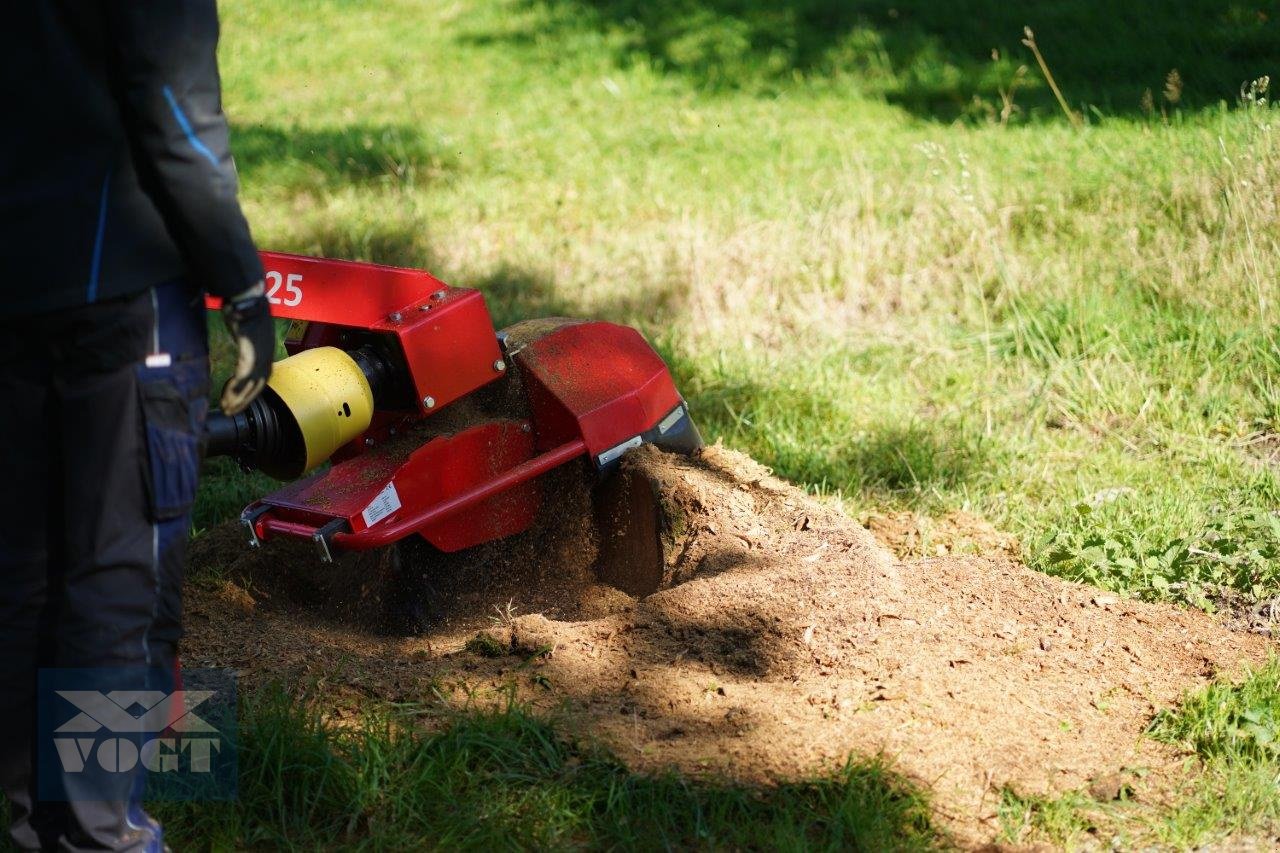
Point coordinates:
[(95, 265), (186, 128)]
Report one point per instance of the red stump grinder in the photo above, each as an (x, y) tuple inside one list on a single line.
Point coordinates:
[(437, 426)]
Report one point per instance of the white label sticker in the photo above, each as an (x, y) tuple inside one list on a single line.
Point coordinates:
[(387, 502)]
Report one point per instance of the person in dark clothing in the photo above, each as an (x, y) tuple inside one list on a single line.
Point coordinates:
[(118, 213)]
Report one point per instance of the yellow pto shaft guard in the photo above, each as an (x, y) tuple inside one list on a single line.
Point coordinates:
[(328, 397)]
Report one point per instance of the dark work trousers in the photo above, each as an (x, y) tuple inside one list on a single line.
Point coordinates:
[(101, 431)]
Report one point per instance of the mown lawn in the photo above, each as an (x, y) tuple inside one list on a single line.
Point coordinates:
[(877, 255)]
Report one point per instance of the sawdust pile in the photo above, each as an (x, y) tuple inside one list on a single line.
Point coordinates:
[(792, 639)]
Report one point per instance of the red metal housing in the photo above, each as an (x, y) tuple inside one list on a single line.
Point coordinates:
[(597, 381), (445, 333)]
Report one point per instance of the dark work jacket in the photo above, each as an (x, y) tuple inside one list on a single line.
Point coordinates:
[(115, 172)]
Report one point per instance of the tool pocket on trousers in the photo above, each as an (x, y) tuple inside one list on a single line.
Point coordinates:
[(173, 410)]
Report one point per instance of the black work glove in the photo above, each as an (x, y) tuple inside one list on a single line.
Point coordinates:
[(248, 318)]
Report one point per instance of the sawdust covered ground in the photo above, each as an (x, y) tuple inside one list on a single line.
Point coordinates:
[(790, 639)]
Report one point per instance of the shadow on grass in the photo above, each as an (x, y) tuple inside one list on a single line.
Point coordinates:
[(935, 57), (514, 294), (326, 158), (804, 436), (400, 242), (507, 780), (912, 458)]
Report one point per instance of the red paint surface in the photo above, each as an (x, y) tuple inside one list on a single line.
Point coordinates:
[(603, 377)]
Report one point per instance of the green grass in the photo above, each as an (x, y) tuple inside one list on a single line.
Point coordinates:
[(505, 780), (1234, 729), (1065, 821), (1232, 732), (872, 260), (1240, 721)]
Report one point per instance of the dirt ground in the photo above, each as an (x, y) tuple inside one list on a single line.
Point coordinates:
[(789, 637)]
